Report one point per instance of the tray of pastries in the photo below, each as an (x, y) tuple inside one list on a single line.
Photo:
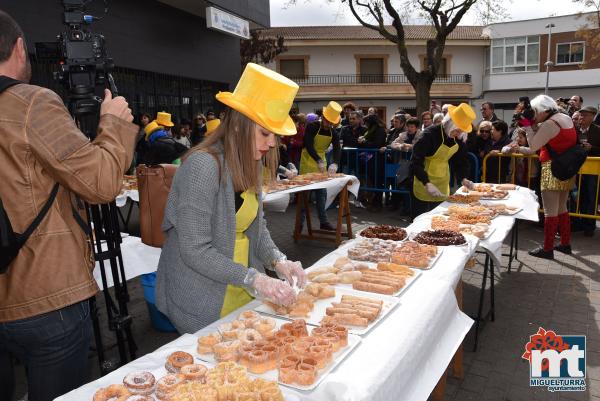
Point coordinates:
[(504, 209), (292, 353), (415, 255), (356, 324), (384, 232), (372, 250), (487, 191), (479, 230), (471, 214), (440, 238), (459, 198), (182, 379), (382, 278)]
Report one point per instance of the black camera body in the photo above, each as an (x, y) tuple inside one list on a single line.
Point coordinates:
[(83, 64)]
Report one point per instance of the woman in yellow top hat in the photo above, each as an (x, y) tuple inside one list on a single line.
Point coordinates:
[(318, 135), (432, 156), (217, 245)]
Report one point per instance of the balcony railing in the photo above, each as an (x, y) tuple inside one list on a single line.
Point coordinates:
[(357, 79)]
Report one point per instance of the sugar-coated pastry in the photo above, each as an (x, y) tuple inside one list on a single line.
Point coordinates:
[(140, 383)]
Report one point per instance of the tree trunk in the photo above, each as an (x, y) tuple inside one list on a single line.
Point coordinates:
[(422, 89)]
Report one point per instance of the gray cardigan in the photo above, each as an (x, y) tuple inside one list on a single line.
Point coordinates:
[(196, 262)]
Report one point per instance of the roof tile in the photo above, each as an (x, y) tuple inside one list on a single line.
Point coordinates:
[(359, 32)]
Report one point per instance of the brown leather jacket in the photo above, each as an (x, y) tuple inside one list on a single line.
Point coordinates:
[(39, 146)]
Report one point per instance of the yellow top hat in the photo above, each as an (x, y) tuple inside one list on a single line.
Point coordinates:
[(164, 119), (212, 125), (462, 115), (265, 97), (332, 112), (150, 128)]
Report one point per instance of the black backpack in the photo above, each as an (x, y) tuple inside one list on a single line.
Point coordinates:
[(10, 241)]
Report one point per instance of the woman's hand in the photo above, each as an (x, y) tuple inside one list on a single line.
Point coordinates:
[(274, 290), (290, 271)]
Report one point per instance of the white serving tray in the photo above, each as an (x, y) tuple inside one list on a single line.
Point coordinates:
[(314, 318), (372, 265), (272, 375)]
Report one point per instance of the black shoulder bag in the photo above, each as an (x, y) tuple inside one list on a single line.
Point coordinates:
[(568, 163), (10, 241)]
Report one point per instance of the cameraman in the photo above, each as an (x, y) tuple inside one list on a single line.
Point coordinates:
[(44, 309)]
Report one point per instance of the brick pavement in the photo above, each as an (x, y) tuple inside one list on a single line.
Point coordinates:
[(563, 295)]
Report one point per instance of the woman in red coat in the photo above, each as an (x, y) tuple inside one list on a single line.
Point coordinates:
[(557, 131)]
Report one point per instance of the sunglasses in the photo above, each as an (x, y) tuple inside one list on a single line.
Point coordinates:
[(485, 130)]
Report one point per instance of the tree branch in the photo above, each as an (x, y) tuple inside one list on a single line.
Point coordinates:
[(379, 28)]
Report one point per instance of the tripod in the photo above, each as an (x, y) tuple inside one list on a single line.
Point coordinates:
[(105, 237)]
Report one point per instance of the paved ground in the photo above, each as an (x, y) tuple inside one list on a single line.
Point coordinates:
[(563, 295)]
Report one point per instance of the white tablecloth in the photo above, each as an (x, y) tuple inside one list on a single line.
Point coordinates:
[(400, 359), (279, 201), (501, 225), (138, 259)]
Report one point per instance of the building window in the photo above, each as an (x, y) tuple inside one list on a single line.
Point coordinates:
[(293, 68), (519, 54), (444, 68), (570, 53), (371, 68)]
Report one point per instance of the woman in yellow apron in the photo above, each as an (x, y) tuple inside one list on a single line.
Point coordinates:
[(217, 246), (318, 136), (432, 156)]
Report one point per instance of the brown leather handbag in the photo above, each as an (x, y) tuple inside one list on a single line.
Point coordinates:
[(154, 184)]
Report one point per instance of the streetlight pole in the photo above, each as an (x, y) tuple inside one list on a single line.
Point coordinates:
[(548, 62)]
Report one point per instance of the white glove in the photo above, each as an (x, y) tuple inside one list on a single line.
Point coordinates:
[(468, 184), (293, 170), (321, 165), (332, 169), (289, 271), (433, 190), (274, 290)]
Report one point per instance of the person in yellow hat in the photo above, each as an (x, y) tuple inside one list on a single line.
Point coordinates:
[(160, 145), (217, 245), (318, 135), (433, 154), (211, 126)]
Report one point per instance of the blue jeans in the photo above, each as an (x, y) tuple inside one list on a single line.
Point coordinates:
[(54, 349)]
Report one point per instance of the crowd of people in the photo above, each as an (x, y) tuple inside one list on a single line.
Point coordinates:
[(217, 248)]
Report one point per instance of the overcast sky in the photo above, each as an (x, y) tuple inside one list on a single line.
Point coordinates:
[(323, 12)]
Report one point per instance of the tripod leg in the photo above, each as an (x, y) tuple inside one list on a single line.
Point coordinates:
[(97, 334)]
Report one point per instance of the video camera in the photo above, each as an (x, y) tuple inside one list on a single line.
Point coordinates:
[(83, 62)]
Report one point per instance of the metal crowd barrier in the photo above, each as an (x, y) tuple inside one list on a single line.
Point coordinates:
[(588, 177)]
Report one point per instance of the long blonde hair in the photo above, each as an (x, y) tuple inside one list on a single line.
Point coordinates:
[(236, 134)]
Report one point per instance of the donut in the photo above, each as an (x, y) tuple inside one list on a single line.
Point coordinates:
[(141, 383), (114, 392), (289, 361), (258, 361), (288, 374), (342, 333), (264, 326), (333, 339), (306, 374), (319, 354), (248, 336), (228, 331), (206, 343), (249, 317), (178, 359), (244, 355), (166, 385), (227, 351), (194, 372), (139, 397), (272, 356)]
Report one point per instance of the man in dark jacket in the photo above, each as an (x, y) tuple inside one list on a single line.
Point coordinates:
[(500, 139), (590, 140)]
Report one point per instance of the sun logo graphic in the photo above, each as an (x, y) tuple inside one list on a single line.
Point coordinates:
[(556, 362)]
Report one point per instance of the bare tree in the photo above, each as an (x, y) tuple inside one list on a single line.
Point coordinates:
[(590, 31), (444, 16), (490, 11), (259, 49)]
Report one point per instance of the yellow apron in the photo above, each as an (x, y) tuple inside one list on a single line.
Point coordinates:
[(307, 163), (438, 172), (236, 297)]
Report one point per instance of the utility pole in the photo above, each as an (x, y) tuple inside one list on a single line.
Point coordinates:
[(548, 62)]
